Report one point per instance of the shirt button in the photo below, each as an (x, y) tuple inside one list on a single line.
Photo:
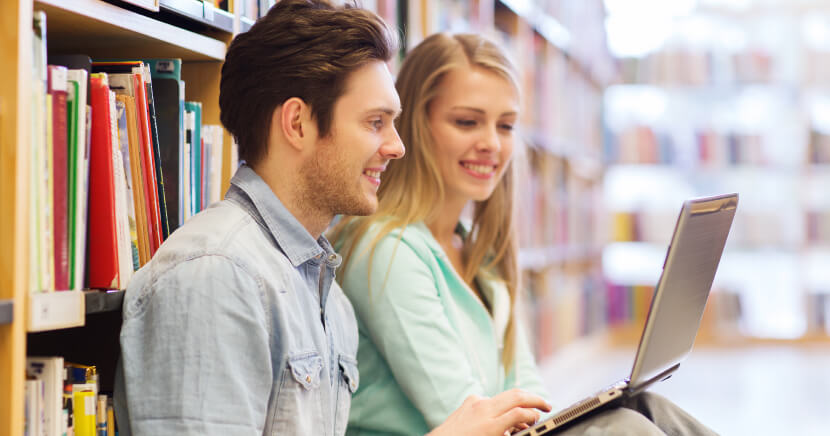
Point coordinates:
[(308, 378)]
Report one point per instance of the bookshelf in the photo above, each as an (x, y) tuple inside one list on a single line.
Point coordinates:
[(742, 109), (80, 325)]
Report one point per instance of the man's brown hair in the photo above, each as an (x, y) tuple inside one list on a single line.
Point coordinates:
[(301, 48)]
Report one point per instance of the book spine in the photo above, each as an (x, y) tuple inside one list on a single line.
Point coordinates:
[(60, 166), (162, 195)]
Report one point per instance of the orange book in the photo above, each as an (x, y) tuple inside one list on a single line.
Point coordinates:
[(102, 249), (147, 164)]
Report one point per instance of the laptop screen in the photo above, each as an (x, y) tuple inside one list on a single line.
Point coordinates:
[(680, 297)]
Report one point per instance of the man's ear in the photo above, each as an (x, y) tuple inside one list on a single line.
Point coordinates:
[(294, 119)]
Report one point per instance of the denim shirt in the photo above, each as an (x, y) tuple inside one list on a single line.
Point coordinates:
[(237, 327)]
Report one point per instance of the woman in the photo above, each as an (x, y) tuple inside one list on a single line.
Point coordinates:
[(434, 300)]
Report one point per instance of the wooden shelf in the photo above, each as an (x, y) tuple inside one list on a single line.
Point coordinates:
[(103, 30), (204, 13), (103, 301), (55, 310), (6, 312)]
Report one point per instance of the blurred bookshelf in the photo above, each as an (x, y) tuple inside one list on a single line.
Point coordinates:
[(733, 101)]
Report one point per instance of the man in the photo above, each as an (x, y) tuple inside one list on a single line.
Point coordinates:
[(236, 327)]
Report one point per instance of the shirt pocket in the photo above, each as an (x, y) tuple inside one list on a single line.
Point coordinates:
[(299, 401), (349, 382)]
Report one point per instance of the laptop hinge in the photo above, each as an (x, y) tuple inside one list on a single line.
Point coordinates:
[(634, 390)]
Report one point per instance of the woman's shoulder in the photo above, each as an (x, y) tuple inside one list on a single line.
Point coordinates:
[(387, 240), (382, 232)]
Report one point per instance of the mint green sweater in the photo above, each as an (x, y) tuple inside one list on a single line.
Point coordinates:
[(426, 340)]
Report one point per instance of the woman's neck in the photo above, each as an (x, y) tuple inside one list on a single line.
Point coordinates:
[(443, 225)]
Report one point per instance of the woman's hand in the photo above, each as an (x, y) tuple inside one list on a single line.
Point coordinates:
[(498, 416)]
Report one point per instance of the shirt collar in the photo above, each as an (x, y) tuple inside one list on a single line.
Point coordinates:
[(291, 237)]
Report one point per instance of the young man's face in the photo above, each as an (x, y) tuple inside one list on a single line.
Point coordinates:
[(344, 174)]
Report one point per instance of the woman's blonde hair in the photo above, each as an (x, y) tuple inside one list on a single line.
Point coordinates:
[(412, 187)]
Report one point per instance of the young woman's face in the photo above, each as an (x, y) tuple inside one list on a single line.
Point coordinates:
[(472, 120)]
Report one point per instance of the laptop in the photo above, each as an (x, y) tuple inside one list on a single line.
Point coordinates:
[(676, 307)]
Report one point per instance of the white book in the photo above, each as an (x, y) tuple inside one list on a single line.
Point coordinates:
[(214, 146), (47, 241), (38, 131), (122, 225), (33, 394), (50, 371)]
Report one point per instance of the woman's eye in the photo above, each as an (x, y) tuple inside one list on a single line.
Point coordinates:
[(508, 127), (465, 123)]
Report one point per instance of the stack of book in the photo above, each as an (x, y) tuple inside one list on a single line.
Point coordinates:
[(120, 160)]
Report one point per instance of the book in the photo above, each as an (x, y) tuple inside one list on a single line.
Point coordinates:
[(33, 422), (124, 148), (83, 411), (40, 264), (214, 147), (57, 89), (50, 371), (122, 229), (187, 189), (195, 131), (103, 253)]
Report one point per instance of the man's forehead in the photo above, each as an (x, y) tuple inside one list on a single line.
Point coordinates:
[(371, 88)]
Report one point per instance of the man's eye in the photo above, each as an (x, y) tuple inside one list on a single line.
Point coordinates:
[(376, 124)]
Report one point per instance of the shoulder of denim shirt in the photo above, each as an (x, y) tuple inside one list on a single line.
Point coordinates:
[(223, 233)]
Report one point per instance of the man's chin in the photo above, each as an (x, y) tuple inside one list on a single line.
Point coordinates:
[(363, 208)]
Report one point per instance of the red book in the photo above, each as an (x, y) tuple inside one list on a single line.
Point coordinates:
[(102, 247), (148, 165), (60, 174)]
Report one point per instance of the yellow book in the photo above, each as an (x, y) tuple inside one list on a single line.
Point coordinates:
[(110, 421), (623, 227), (83, 412)]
